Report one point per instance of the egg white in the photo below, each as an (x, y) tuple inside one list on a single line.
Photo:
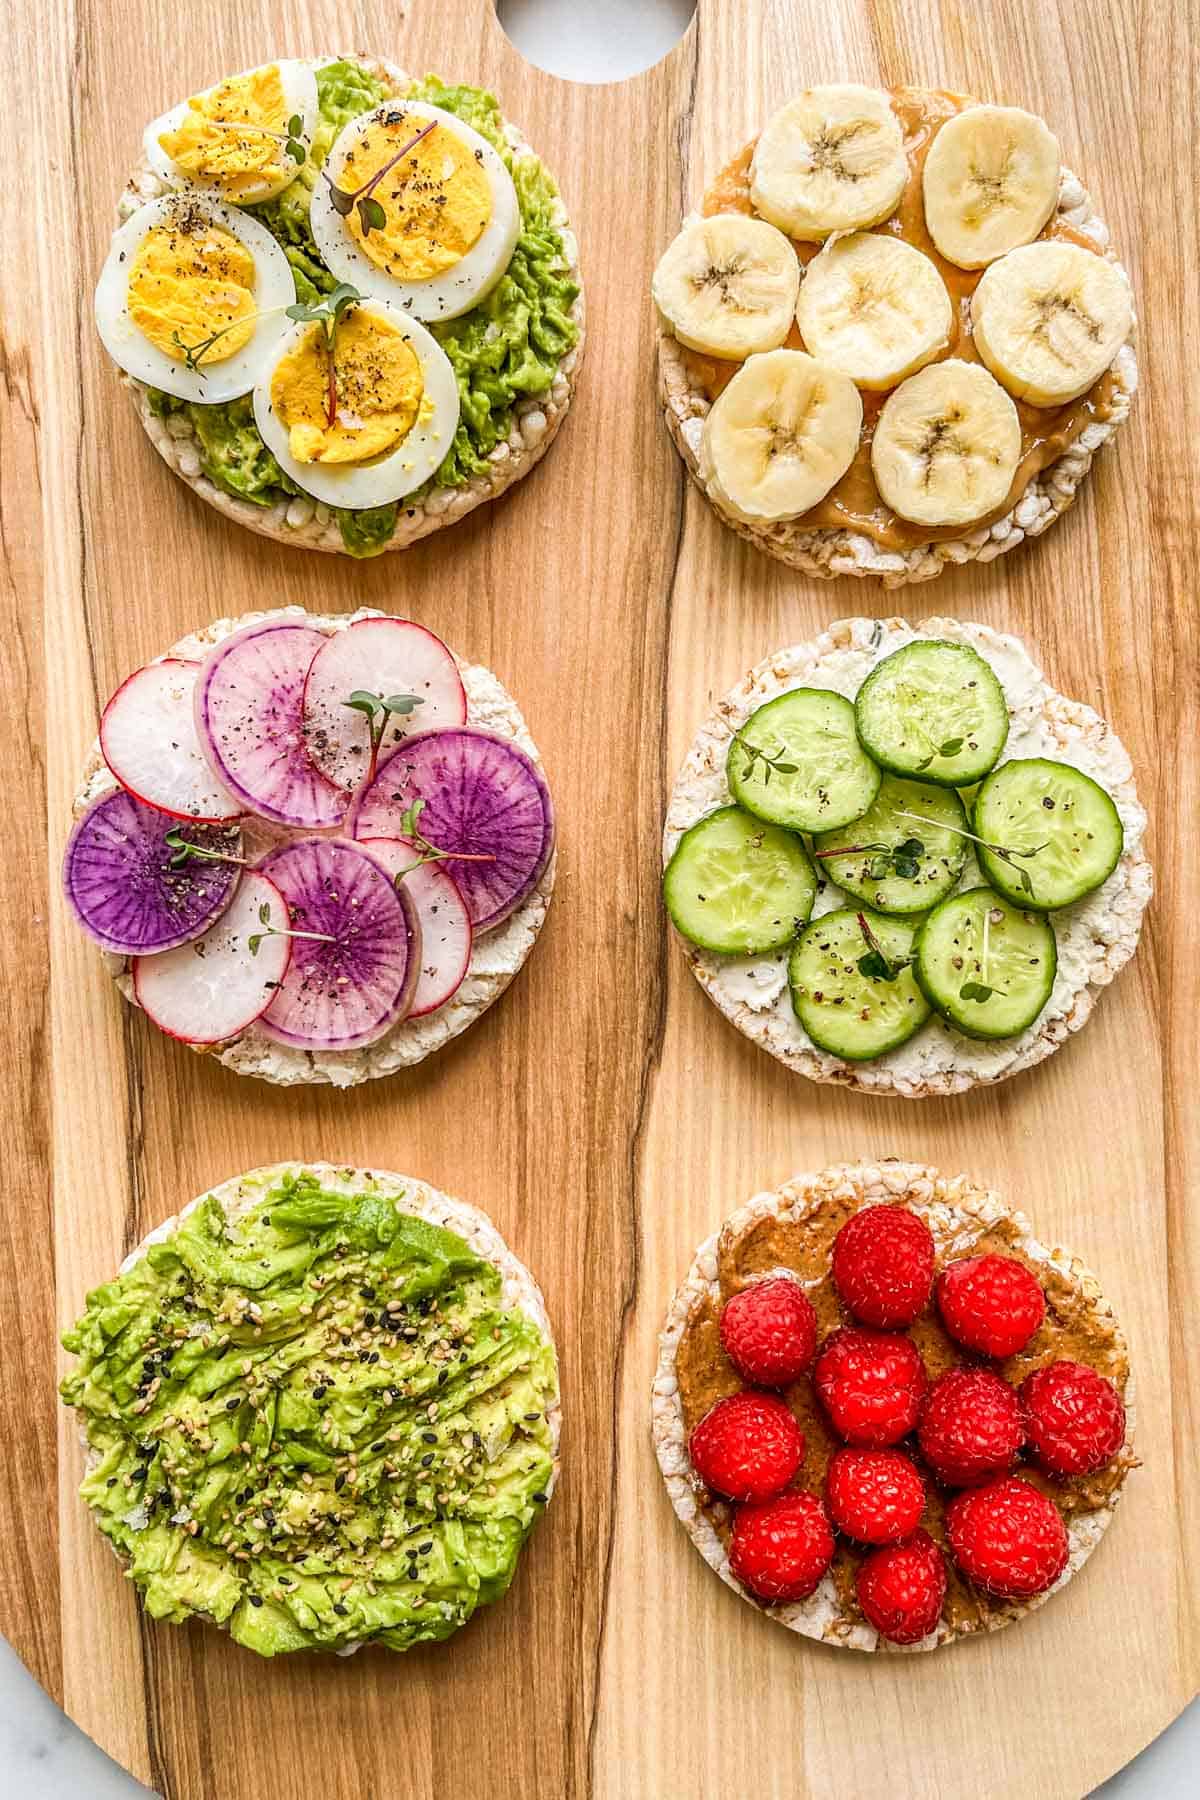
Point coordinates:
[(457, 289), (300, 91), (274, 291), (397, 472)]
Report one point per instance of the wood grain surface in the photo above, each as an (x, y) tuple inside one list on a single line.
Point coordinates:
[(603, 1112)]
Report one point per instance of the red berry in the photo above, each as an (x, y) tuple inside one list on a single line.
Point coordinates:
[(747, 1447), (901, 1589), (870, 1384), (874, 1496), (1074, 1418), (991, 1304), (1008, 1538), (970, 1427), (780, 1550), (769, 1332), (883, 1265)]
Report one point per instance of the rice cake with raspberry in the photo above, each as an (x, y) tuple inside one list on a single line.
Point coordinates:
[(791, 1230), (1096, 936), (496, 955), (852, 531)]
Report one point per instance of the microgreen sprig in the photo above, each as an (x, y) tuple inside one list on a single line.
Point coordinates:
[(327, 313), (982, 990), (255, 940), (875, 965), (410, 826), (903, 858), (377, 710), (194, 354), (183, 850), (291, 139), (371, 215), (772, 765), (1005, 854)]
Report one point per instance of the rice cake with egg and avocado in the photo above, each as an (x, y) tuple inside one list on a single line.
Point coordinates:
[(321, 1410), (346, 302)]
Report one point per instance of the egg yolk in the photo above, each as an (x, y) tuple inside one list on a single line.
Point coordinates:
[(378, 388), (225, 135), (436, 201), (191, 282)]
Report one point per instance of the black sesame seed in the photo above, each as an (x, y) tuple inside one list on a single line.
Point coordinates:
[(255, 1599), (340, 1609)]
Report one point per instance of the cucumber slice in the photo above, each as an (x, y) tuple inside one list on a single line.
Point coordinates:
[(738, 885), (849, 1012), (935, 710), (1064, 816), (986, 966), (886, 838), (797, 762)]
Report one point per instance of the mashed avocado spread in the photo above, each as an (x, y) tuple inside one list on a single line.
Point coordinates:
[(318, 1424), (507, 347)]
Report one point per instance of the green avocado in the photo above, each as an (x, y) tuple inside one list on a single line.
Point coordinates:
[(504, 349), (318, 1425)]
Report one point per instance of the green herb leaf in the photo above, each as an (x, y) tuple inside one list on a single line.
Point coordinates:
[(410, 821), (371, 215), (975, 990), (875, 966), (951, 747)]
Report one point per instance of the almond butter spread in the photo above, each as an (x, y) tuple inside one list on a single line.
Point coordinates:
[(1074, 1328), (854, 504)]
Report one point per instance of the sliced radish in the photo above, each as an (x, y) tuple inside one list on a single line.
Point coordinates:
[(384, 657), (210, 990), (341, 994), (250, 719), (483, 800), (445, 922), (148, 739), (119, 875)]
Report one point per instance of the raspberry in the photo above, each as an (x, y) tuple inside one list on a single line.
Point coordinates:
[(1008, 1538), (874, 1496), (901, 1588), (883, 1265), (769, 1332), (970, 1427), (870, 1384), (991, 1304), (747, 1447), (1074, 1418), (780, 1550)]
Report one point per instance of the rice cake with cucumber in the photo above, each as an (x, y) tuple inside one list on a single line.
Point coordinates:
[(246, 748), (475, 396), (823, 862), (928, 335), (251, 1467)]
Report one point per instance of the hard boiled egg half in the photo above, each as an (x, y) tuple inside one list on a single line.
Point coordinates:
[(233, 138), (449, 209), (370, 422), (192, 298)]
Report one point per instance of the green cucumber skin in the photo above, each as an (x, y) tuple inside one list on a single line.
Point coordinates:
[(755, 797), (678, 861), (836, 1044), (1001, 877), (974, 1030), (966, 775)]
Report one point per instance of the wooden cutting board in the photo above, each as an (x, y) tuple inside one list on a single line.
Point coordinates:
[(603, 1112)]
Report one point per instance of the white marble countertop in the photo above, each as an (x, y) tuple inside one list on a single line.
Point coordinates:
[(42, 1755)]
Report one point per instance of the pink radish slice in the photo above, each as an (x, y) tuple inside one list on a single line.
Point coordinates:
[(250, 719), (210, 990), (483, 797), (119, 878), (445, 922), (347, 993), (384, 657), (148, 739)]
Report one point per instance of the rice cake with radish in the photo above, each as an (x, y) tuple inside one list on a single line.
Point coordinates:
[(474, 960)]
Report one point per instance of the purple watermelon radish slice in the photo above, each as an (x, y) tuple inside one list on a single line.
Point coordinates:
[(250, 720), (128, 886), (484, 803), (355, 978)]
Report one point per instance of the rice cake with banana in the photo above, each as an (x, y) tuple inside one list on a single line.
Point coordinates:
[(895, 336)]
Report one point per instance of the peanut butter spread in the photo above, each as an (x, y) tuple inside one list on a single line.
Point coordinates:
[(1074, 1328), (854, 504)]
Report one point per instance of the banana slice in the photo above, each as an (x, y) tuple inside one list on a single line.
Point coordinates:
[(873, 307), (728, 286), (1049, 318), (832, 159), (946, 445), (779, 437), (990, 183)]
